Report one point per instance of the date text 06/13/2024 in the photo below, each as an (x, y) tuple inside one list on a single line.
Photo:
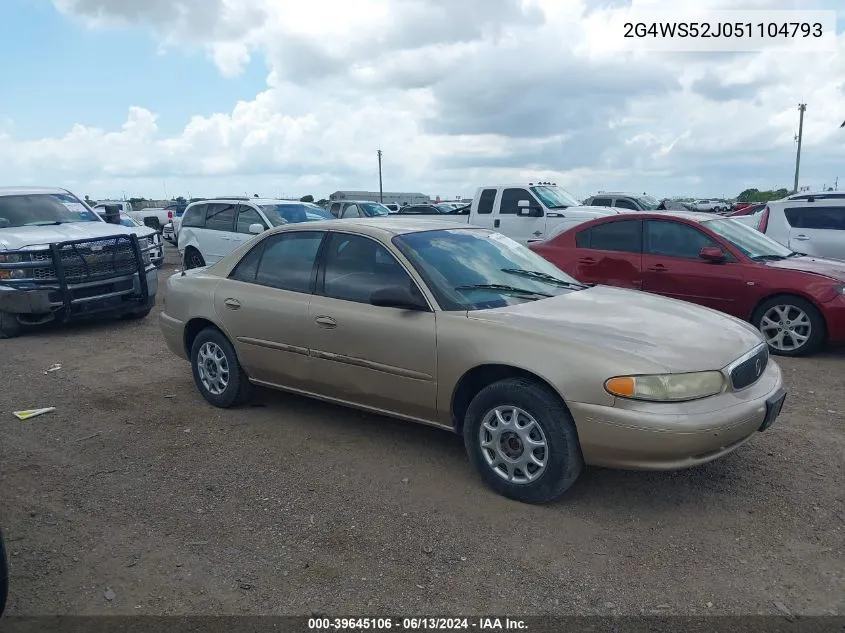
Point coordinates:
[(416, 624)]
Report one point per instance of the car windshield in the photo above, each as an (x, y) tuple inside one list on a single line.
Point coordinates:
[(648, 203), (373, 208), (476, 269), (445, 208), (125, 220), (317, 213), (279, 214), (555, 197), (754, 244), (43, 209)]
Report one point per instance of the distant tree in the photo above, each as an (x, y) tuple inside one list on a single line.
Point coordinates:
[(308, 198), (755, 195), (322, 202), (137, 200), (180, 199)]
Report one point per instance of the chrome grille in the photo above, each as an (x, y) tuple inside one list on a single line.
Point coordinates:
[(748, 370)]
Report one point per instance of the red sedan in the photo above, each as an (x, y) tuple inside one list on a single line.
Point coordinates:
[(797, 302)]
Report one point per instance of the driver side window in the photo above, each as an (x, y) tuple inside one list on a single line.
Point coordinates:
[(511, 198)]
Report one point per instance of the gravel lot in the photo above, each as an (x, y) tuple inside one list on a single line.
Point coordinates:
[(137, 497)]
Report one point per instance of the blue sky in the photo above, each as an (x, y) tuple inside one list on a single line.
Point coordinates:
[(453, 104), (64, 73)]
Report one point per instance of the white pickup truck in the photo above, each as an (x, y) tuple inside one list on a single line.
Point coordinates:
[(531, 212), (153, 217)]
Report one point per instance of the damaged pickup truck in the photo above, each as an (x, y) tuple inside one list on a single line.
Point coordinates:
[(60, 261)]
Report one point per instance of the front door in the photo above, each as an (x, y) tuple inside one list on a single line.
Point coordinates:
[(263, 306), (378, 357), (522, 228), (672, 267)]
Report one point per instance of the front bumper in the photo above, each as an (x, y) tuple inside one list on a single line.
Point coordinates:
[(173, 332), (669, 436), (834, 316)]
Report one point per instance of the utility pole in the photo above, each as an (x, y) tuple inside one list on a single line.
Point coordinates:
[(802, 107), (380, 190)]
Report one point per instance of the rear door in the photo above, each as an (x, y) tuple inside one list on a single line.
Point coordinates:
[(672, 267), (215, 240), (263, 306), (610, 253), (522, 228), (817, 229), (482, 213)]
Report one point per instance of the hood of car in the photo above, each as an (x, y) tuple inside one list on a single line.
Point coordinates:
[(674, 335), (28, 236), (833, 268)]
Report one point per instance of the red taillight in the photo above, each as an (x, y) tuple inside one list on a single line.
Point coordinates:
[(170, 215), (764, 221)]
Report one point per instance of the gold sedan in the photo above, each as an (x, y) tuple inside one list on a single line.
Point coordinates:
[(465, 329)]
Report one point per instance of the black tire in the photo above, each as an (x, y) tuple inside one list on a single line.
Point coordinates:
[(10, 327), (564, 461), (193, 258), (237, 385), (818, 328), (4, 575)]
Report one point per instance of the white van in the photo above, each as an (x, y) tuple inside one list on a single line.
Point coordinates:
[(211, 229)]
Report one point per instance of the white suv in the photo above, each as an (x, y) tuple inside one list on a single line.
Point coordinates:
[(211, 229), (815, 226)]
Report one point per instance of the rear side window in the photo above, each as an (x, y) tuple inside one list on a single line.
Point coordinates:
[(334, 209), (288, 260), (485, 201), (247, 268), (194, 216), (600, 202), (825, 218), (623, 236), (220, 216)]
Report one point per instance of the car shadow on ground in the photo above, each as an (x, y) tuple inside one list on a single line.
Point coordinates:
[(597, 490)]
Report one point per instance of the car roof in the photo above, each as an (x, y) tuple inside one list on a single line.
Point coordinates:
[(820, 202), (359, 201), (384, 227), (693, 216), (24, 191), (627, 194), (258, 201)]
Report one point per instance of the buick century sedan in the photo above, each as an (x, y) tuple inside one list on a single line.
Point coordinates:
[(464, 329)]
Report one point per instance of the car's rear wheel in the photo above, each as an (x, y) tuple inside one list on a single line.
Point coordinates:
[(522, 440), (193, 258), (791, 326), (217, 373)]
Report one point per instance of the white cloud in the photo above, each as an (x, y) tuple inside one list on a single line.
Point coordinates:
[(457, 94)]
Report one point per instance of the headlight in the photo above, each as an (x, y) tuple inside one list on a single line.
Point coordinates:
[(667, 387), (12, 258), (839, 289), (13, 273), (144, 243)]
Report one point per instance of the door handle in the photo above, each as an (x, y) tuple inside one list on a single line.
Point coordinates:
[(660, 268), (234, 304), (496, 224), (325, 321), (587, 261), (801, 238)]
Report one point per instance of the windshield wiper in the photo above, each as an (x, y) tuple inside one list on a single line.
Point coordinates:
[(46, 223), (761, 258), (536, 274), (797, 255), (503, 288)]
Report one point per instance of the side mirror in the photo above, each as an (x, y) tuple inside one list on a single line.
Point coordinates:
[(256, 229), (398, 297), (524, 209), (712, 254)]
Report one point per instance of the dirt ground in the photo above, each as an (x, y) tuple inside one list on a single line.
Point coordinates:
[(137, 497)]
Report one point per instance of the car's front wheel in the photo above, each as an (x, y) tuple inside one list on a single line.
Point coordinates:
[(217, 372), (791, 326), (522, 440)]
